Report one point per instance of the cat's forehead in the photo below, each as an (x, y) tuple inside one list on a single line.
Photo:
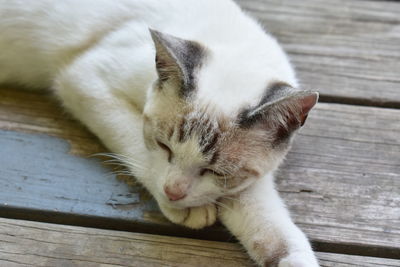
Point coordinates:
[(229, 83), (218, 137), (202, 126)]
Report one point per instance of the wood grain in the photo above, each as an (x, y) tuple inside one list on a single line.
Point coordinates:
[(341, 180), (25, 243), (39, 114), (333, 260), (347, 49)]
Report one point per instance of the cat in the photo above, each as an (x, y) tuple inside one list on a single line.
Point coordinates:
[(193, 96)]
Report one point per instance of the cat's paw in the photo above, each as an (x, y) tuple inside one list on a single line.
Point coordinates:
[(299, 260), (195, 217)]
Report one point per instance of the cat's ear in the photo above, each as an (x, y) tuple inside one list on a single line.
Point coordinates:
[(177, 61), (282, 110)]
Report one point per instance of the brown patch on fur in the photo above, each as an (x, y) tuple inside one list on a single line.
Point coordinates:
[(242, 154), (274, 247), (244, 144), (273, 263), (251, 171)]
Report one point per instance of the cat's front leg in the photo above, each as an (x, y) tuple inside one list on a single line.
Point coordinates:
[(194, 217), (259, 219)]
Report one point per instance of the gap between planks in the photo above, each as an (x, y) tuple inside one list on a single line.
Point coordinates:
[(25, 243), (346, 49)]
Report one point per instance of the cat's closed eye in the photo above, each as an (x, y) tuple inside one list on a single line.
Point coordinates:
[(209, 171), (166, 149)]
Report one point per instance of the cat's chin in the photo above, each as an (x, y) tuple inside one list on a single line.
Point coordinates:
[(183, 203)]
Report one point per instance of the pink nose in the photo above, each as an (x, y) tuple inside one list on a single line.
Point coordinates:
[(174, 194)]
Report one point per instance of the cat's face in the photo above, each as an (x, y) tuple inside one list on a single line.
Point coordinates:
[(200, 154)]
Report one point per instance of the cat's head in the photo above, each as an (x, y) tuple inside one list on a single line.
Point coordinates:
[(201, 153)]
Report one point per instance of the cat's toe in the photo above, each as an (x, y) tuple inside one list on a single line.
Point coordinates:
[(199, 217), (174, 215), (195, 218)]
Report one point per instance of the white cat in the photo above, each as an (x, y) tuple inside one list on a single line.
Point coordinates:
[(202, 108)]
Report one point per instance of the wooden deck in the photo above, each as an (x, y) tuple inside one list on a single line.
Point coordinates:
[(341, 180)]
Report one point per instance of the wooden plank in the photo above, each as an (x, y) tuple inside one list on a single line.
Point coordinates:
[(347, 49), (25, 243), (333, 260), (341, 180)]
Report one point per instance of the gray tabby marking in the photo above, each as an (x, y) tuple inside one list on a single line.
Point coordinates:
[(248, 117), (179, 58)]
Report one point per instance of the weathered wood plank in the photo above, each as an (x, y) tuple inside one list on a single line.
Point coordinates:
[(333, 260), (25, 243), (341, 180), (347, 49)]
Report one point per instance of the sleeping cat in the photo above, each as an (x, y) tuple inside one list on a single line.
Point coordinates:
[(194, 96)]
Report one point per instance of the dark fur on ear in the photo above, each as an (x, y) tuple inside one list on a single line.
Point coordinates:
[(178, 60), (281, 109)]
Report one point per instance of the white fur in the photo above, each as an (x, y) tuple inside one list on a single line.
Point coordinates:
[(98, 57), (259, 216)]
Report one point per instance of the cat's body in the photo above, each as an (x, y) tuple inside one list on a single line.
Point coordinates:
[(216, 124)]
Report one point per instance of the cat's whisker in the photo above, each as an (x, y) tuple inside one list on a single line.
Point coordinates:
[(222, 205), (123, 161), (135, 165), (123, 173), (128, 167), (225, 181), (216, 202), (114, 156), (112, 175), (99, 155), (230, 198), (112, 162), (108, 154)]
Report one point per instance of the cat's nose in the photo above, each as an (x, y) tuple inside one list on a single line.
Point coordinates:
[(174, 193)]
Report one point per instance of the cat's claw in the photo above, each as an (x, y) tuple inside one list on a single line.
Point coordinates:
[(195, 217)]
